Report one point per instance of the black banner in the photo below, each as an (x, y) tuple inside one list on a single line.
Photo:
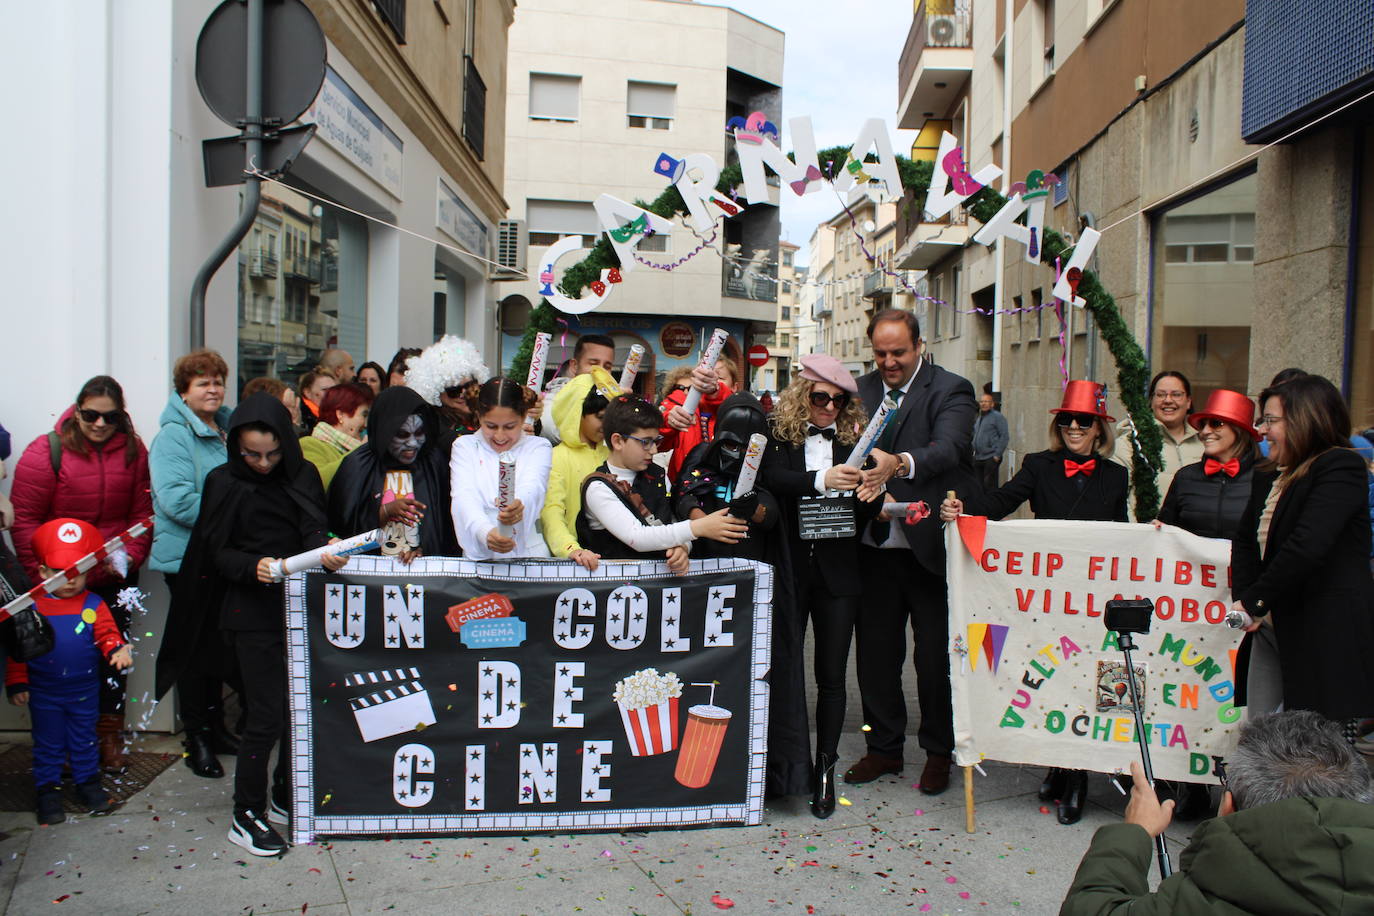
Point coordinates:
[(456, 696)]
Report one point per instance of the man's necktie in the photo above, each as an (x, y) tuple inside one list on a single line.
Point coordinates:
[(1211, 466), (1086, 468)]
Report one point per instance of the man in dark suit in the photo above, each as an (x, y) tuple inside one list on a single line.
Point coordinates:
[(925, 451)]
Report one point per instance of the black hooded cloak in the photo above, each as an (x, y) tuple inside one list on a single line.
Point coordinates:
[(244, 516), (355, 496)]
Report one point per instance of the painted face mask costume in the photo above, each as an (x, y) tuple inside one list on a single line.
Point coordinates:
[(405, 448)]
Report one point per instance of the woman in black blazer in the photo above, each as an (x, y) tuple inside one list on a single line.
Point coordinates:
[(1074, 478), (1300, 561), (814, 426)]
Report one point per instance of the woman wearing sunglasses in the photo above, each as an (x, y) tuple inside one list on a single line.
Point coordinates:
[(92, 467), (448, 374), (1076, 479), (814, 426)]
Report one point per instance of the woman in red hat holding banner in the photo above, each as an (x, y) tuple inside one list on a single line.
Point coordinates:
[(1073, 479)]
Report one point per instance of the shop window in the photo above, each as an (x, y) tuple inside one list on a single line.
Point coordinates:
[(1203, 292)]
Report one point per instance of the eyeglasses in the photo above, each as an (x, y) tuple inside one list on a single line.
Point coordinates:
[(824, 399), (111, 417), (1084, 420), (1170, 395), (1211, 423), (461, 391), (650, 444), (1270, 420)]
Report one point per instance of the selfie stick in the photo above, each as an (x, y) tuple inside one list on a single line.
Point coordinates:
[(1127, 644), (708, 361)]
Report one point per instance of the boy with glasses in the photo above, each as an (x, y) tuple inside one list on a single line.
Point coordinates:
[(625, 510)]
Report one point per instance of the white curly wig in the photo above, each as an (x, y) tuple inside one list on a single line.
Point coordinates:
[(443, 364)]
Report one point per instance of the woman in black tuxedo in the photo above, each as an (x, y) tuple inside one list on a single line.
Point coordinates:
[(814, 426), (1300, 561), (1075, 479)]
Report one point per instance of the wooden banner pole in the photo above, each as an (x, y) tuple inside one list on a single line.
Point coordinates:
[(969, 822)]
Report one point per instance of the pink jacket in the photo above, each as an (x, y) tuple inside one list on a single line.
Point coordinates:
[(97, 487)]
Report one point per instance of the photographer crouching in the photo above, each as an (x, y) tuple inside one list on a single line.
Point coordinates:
[(1294, 834)]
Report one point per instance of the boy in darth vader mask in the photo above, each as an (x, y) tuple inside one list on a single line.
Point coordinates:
[(709, 474)]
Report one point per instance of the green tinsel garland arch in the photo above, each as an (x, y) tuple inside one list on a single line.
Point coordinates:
[(1132, 368)]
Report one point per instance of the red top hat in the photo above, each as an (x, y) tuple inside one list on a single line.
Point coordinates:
[(62, 541), (1085, 397), (1231, 406)]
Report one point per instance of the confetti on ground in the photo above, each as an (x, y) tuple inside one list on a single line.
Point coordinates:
[(722, 903), (844, 801)]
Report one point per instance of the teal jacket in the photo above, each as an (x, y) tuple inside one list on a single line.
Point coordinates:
[(1298, 856), (183, 452)]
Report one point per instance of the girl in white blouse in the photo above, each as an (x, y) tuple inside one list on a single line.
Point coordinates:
[(474, 463)]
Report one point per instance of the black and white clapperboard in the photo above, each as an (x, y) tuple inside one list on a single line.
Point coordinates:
[(454, 696)]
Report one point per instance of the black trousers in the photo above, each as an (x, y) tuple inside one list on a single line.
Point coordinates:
[(200, 688), (262, 662), (832, 625), (986, 469), (898, 590)]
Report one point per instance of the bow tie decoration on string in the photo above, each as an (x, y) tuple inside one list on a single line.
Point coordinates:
[(828, 433), (1211, 466), (812, 174), (1072, 467)]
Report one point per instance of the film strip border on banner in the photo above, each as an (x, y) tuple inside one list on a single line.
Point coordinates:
[(306, 826)]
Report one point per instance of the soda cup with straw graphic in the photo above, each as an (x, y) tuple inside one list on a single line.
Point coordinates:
[(701, 742)]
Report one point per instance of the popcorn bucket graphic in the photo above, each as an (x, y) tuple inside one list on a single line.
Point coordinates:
[(648, 708), (651, 729)]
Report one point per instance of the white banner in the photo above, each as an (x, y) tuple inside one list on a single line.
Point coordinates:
[(1039, 679)]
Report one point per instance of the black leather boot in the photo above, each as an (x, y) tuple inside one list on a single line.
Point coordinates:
[(823, 786), (1052, 788), (1075, 792), (200, 756)]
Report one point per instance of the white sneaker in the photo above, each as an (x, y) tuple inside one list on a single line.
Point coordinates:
[(276, 814), (249, 831)]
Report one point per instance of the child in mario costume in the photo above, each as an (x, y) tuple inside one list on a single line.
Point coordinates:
[(62, 688)]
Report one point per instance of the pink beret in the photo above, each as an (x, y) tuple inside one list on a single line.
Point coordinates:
[(822, 367)]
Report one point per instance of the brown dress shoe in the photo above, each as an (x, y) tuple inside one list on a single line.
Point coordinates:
[(870, 767), (935, 776)]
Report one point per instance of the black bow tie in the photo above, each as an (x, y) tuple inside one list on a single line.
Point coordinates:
[(829, 432)]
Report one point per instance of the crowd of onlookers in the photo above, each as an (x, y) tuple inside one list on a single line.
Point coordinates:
[(416, 449)]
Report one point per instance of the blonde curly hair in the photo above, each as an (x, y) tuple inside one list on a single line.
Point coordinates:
[(792, 414)]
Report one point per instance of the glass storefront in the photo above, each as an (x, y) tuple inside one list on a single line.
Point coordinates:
[(302, 286), (1202, 300)]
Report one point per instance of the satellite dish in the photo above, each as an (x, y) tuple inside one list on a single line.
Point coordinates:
[(293, 57)]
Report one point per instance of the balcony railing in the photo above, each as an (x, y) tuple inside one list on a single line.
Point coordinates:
[(754, 279), (937, 24), (262, 264)]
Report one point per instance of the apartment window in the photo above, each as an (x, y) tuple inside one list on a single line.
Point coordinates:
[(650, 105), (393, 13), (550, 220), (1202, 300), (956, 301), (787, 259), (554, 98), (1020, 324), (785, 340), (936, 285), (1047, 21), (786, 313), (474, 107), (1038, 300)]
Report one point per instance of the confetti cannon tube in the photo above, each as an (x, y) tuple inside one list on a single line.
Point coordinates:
[(886, 411), (631, 367), (708, 361), (302, 561), (85, 564), (505, 489), (540, 355), (753, 457), (1238, 620)]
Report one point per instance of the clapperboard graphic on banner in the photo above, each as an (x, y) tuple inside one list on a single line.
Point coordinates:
[(399, 703)]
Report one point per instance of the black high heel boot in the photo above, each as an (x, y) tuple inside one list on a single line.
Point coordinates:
[(200, 756), (823, 786), (1075, 791), (1052, 788)]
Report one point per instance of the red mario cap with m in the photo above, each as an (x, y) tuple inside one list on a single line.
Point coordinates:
[(62, 541)]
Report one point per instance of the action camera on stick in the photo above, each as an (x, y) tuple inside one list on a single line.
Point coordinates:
[(1124, 617)]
